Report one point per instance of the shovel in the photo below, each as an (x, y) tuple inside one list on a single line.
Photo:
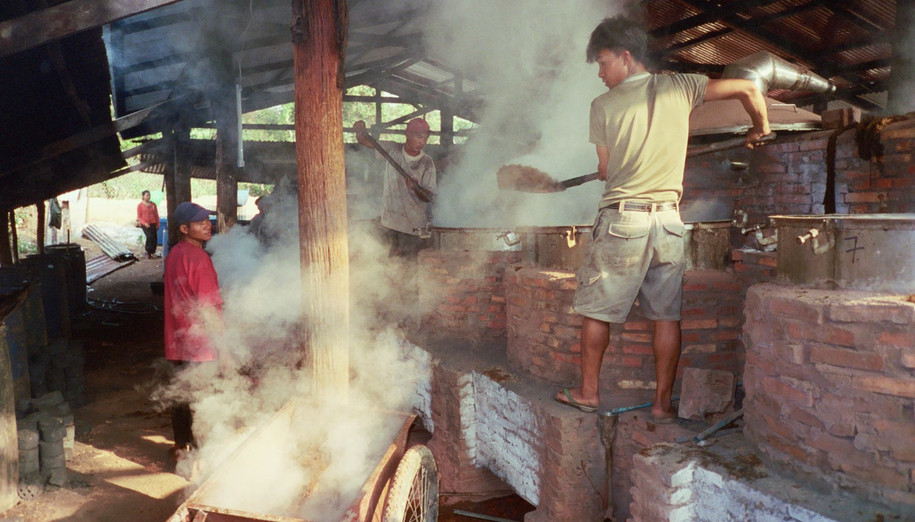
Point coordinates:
[(528, 179), (421, 192)]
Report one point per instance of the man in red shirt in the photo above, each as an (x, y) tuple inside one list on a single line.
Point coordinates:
[(193, 307)]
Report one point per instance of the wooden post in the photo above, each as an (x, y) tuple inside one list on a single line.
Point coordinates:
[(227, 136), (40, 226), (14, 236), (177, 180), (319, 40), (6, 255)]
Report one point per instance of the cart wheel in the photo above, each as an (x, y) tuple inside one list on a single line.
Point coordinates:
[(413, 492)]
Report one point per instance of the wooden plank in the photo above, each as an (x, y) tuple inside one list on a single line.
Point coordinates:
[(67, 19), (82, 139)]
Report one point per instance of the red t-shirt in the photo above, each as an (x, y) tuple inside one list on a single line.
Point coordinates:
[(193, 306), (148, 215)]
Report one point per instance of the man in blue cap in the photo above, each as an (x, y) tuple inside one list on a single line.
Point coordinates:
[(193, 307)]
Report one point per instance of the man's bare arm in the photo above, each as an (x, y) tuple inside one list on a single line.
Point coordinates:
[(753, 101), (603, 159)]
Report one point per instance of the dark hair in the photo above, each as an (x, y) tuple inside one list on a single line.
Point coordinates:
[(145, 192), (618, 34)]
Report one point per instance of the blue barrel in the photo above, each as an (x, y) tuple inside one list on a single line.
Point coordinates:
[(51, 271), (162, 233)]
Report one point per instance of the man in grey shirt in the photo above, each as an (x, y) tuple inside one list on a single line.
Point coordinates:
[(405, 209)]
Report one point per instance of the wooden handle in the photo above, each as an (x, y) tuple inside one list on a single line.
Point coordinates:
[(727, 144), (421, 192), (574, 182)]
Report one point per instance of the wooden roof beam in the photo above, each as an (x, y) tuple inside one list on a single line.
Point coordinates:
[(66, 19), (708, 14)]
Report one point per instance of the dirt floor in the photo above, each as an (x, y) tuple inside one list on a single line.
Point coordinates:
[(120, 469)]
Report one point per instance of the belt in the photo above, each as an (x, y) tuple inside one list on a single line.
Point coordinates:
[(637, 206)]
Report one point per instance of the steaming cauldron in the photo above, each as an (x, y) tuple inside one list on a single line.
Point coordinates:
[(485, 239), (706, 245), (861, 251)]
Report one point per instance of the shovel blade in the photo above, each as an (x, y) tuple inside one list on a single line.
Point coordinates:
[(526, 179)]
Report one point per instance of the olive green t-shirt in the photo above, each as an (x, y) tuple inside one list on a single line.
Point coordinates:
[(644, 122)]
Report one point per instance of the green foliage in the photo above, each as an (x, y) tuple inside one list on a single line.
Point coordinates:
[(130, 185), (256, 189), (127, 186)]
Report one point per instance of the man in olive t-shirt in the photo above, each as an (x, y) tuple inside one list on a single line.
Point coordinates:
[(640, 128)]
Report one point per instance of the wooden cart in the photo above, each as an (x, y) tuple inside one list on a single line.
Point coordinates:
[(402, 487)]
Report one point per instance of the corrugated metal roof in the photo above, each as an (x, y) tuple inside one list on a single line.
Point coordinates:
[(55, 94)]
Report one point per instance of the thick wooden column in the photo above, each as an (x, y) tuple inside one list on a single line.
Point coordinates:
[(319, 40), (177, 180), (40, 227), (6, 254), (14, 236), (227, 136)]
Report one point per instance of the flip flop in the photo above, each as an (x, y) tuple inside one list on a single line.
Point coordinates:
[(573, 403)]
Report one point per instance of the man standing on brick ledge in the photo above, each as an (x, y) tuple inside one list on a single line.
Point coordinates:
[(640, 127)]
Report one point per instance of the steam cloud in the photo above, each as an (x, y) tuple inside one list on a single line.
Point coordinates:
[(538, 89), (313, 462)]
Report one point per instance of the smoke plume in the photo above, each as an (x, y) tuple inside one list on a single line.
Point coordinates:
[(311, 459), (538, 90)]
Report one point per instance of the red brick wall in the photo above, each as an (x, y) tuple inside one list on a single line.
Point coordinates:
[(789, 176), (830, 386), (543, 331), (467, 289)]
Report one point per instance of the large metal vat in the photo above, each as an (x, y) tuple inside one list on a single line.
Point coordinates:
[(554, 247), (865, 252), (485, 239), (706, 245)]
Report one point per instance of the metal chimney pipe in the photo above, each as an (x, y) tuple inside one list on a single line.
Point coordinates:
[(769, 72)]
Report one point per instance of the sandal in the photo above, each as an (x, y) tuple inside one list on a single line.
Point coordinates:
[(573, 403)]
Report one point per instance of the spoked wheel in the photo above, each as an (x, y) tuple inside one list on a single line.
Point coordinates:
[(413, 492)]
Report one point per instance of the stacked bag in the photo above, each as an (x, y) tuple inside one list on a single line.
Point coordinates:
[(58, 367), (47, 436)]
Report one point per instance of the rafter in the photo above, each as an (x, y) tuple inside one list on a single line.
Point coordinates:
[(66, 19)]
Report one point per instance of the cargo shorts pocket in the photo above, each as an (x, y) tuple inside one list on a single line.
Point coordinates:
[(625, 231), (676, 229), (627, 243), (588, 276)]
